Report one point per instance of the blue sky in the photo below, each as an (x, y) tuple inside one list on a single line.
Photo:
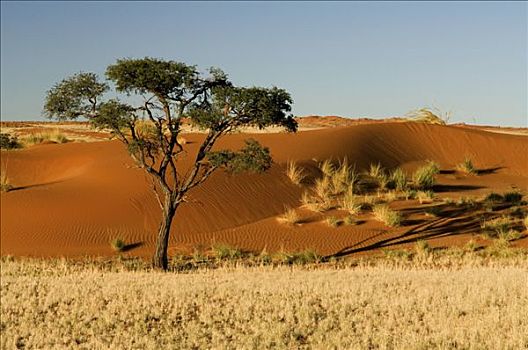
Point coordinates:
[(336, 58)]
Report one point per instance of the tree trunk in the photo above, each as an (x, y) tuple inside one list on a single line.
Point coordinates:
[(160, 260)]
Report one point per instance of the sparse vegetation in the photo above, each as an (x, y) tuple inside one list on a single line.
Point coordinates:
[(424, 177), (351, 203), (5, 184), (385, 214), (224, 251), (427, 115), (399, 179), (425, 196), (295, 173), (513, 197), (332, 221), (118, 244), (289, 217), (376, 170), (467, 167), (350, 220), (41, 137)]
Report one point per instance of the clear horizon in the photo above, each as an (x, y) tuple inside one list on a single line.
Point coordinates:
[(352, 59)]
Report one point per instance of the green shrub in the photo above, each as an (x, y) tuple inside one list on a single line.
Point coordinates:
[(514, 197), (9, 142)]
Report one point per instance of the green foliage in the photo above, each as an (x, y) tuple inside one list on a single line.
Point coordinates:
[(225, 251), (74, 97), (253, 157), (9, 142)]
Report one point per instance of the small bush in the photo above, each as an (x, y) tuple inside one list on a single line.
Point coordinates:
[(493, 198), (424, 177), (9, 142), (467, 167), (389, 217), (118, 244), (295, 173), (332, 221), (343, 178), (37, 138), (289, 217), (514, 197), (466, 202)]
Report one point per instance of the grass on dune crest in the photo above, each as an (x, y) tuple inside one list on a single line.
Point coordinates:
[(58, 304)]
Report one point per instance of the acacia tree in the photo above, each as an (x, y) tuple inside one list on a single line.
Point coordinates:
[(171, 91)]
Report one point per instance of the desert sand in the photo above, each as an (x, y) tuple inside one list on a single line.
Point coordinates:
[(72, 199)]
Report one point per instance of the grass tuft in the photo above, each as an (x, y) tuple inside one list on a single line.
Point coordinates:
[(424, 177), (289, 217), (118, 244), (467, 167), (295, 173), (332, 221), (385, 214)]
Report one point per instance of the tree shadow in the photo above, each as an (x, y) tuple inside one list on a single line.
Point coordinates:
[(442, 227), (19, 188), (455, 188), (488, 170)]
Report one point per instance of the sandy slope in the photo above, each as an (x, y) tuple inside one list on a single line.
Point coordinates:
[(72, 199)]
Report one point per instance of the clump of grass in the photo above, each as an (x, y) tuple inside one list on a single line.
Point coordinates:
[(496, 227), (225, 251), (466, 202), (322, 188), (525, 222), (467, 167), (385, 214), (425, 196), (332, 221), (350, 221), (351, 203), (343, 178), (410, 194), (289, 217), (5, 184), (327, 168), (422, 248), (399, 179), (295, 173), (118, 244), (426, 115), (37, 138), (470, 246), (424, 177), (375, 170), (493, 198)]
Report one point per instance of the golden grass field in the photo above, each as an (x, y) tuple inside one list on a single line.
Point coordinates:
[(428, 301)]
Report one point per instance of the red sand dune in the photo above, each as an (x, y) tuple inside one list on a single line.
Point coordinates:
[(72, 199)]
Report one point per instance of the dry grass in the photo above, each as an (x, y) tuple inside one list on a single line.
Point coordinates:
[(295, 173), (289, 217), (351, 203), (40, 137), (5, 184), (426, 115), (385, 214), (51, 305), (118, 244), (467, 167), (424, 177)]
